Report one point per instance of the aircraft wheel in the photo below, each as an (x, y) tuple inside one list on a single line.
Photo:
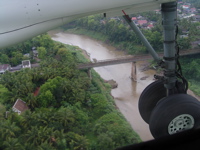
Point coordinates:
[(149, 98), (174, 114)]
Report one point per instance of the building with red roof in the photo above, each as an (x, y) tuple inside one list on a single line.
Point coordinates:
[(20, 106), (150, 26), (142, 22), (134, 18), (186, 6), (193, 9)]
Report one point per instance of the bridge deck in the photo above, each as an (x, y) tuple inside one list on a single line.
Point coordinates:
[(128, 59)]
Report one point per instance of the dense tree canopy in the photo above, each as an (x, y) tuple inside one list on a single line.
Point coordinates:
[(65, 105), (15, 54)]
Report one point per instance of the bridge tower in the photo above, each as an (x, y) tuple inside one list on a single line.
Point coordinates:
[(134, 71)]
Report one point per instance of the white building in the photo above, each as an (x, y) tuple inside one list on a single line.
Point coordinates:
[(4, 68), (26, 64)]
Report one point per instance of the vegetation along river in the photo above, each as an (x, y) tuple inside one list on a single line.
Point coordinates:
[(127, 93)]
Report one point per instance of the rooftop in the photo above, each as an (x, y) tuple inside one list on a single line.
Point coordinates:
[(150, 26), (26, 62), (4, 66), (134, 18), (186, 6), (20, 105), (141, 22)]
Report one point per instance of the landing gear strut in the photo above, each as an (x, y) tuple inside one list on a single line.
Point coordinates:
[(164, 104)]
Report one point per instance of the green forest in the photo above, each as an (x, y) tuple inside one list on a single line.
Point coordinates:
[(191, 71), (70, 112), (116, 32)]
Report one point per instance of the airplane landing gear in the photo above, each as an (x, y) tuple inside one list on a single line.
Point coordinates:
[(149, 99), (164, 104), (152, 94), (174, 114)]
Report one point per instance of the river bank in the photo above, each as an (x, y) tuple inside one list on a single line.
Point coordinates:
[(127, 93), (96, 36)]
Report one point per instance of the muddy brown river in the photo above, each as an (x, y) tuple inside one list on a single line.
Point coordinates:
[(128, 91)]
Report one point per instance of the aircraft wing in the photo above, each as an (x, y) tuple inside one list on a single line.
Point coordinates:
[(24, 19), (135, 8)]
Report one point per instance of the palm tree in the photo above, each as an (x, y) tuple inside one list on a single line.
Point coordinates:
[(82, 143), (8, 129), (46, 73), (39, 135), (46, 134), (66, 116), (12, 144), (77, 142), (45, 146), (2, 112), (14, 95), (59, 134), (31, 101), (32, 136), (6, 80), (28, 146), (27, 119), (35, 74), (40, 117)]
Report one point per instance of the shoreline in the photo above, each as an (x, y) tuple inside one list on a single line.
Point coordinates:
[(127, 104), (143, 67), (125, 96)]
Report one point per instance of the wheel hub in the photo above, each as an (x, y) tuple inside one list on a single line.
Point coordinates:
[(180, 123)]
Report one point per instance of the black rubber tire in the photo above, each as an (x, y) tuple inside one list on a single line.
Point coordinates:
[(149, 98), (171, 107)]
